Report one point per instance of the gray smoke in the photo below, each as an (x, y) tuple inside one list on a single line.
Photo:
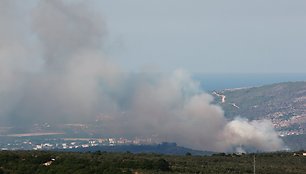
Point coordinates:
[(53, 69)]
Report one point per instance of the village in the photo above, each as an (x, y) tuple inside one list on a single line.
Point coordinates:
[(35, 143)]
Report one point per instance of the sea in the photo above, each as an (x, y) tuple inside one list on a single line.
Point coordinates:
[(212, 82)]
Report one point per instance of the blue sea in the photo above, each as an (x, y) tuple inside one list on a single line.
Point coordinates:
[(210, 82)]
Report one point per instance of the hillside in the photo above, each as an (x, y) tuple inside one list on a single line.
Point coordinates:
[(283, 103)]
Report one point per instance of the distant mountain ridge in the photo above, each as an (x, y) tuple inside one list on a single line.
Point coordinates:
[(282, 103)]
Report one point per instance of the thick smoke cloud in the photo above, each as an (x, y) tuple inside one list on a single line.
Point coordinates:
[(253, 133), (53, 69)]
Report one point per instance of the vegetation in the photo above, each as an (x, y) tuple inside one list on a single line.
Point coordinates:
[(31, 162)]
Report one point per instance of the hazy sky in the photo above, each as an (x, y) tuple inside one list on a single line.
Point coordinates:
[(207, 36)]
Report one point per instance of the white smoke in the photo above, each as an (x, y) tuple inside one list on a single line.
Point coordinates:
[(252, 133), (52, 68), (174, 108)]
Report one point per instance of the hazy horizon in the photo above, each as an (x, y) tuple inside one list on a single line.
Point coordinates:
[(220, 81)]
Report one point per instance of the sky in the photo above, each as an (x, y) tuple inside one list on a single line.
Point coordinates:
[(219, 36)]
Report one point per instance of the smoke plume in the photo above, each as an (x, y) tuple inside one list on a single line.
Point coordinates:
[(53, 69)]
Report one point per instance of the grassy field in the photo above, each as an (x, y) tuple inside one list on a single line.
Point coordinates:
[(31, 162)]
